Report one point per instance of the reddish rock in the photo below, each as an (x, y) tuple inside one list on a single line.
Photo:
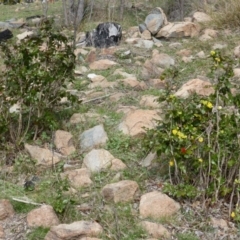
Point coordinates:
[(156, 205), (122, 191), (75, 230), (43, 216), (6, 209)]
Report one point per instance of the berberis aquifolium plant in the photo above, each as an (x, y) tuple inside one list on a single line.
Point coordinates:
[(199, 139)]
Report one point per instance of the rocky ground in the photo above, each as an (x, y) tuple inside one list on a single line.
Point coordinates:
[(115, 188)]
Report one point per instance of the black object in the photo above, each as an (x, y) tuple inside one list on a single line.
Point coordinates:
[(105, 35), (5, 35)]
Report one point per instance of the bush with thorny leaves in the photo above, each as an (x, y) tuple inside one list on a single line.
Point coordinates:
[(199, 141)]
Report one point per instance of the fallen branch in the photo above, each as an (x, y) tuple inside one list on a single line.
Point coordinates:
[(26, 201)]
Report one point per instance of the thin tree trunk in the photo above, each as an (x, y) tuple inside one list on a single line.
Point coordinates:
[(122, 6), (91, 10)]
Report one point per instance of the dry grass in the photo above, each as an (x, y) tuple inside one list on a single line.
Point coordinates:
[(225, 14)]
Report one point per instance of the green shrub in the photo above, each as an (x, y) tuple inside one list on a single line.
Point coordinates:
[(200, 139), (37, 71)]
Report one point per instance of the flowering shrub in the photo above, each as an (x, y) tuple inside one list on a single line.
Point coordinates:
[(199, 138)]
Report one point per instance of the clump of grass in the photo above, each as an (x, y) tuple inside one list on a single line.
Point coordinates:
[(226, 15)]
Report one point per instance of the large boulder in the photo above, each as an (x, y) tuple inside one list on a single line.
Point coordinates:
[(179, 30), (155, 20), (103, 36)]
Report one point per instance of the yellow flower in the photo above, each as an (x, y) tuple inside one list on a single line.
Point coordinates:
[(174, 131), (181, 135), (217, 59), (212, 53), (209, 105), (200, 160), (200, 139), (233, 214), (219, 107), (171, 163)]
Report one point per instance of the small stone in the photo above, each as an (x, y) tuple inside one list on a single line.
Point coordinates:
[(93, 137), (74, 230), (64, 142), (43, 216), (155, 230), (78, 177), (122, 191), (102, 64), (6, 209), (156, 205)]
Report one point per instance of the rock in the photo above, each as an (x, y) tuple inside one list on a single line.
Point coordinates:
[(219, 46), (132, 40), (2, 233), (91, 57), (146, 162), (155, 20), (81, 70), (132, 30), (175, 45), (155, 40), (146, 35), (134, 83), (141, 43), (64, 142), (156, 205), (219, 223), (93, 137), (198, 86), (121, 72), (74, 230), (184, 53), (210, 32), (117, 165), (201, 17), (43, 216), (205, 38), (141, 27), (150, 70), (157, 83), (98, 159), (179, 30), (24, 35), (78, 177), (201, 54), (187, 59), (162, 60), (155, 230), (116, 97), (81, 118), (122, 191), (149, 101), (237, 51), (134, 122), (102, 64), (6, 209), (236, 72), (43, 156)]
